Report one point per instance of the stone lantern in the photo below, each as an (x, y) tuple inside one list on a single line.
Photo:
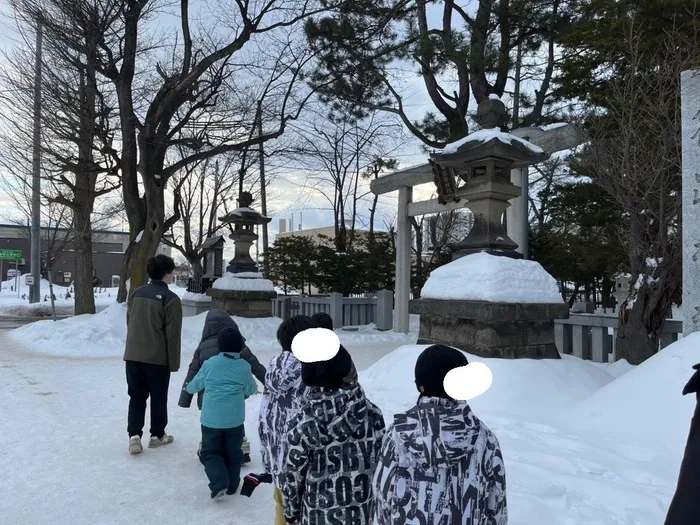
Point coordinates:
[(243, 291), (484, 160), (486, 305), (244, 219)]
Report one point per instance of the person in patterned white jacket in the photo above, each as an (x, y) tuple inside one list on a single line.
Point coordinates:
[(280, 403), (439, 464), (334, 443)]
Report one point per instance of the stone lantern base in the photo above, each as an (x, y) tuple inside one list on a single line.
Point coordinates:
[(253, 305), (490, 329)]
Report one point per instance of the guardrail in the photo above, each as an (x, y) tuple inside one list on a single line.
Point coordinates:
[(592, 336)]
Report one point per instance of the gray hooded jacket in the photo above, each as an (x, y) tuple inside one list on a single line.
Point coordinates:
[(216, 321)]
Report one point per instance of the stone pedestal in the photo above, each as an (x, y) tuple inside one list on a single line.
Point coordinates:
[(488, 329), (252, 305), (195, 304)]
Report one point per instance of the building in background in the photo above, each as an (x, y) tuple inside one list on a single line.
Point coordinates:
[(108, 249), (324, 235)]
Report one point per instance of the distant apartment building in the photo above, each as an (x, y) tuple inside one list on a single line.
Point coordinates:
[(108, 249)]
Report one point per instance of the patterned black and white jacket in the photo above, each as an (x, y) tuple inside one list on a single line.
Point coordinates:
[(440, 465), (280, 403), (334, 444)]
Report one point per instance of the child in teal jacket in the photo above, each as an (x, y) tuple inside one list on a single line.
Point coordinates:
[(227, 380)]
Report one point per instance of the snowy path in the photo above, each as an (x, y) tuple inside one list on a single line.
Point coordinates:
[(63, 448), (64, 460)]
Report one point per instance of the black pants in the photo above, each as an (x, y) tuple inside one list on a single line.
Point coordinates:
[(222, 457), (144, 380)]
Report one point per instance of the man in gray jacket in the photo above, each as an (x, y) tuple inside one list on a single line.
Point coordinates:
[(154, 330)]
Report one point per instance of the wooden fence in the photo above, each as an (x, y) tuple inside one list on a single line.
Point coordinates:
[(345, 311)]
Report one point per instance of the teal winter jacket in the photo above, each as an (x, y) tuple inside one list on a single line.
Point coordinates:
[(227, 380)]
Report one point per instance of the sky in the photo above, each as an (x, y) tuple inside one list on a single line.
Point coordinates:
[(288, 195)]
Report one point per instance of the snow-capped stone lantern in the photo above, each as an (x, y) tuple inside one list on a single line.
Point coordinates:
[(242, 291), (482, 303), (244, 219), (484, 160)]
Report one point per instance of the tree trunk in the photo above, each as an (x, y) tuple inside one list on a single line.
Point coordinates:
[(634, 343), (419, 281), (133, 203), (372, 213), (572, 299), (84, 192), (150, 237), (84, 274), (197, 269)]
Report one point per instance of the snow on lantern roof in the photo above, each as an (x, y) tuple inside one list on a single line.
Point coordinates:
[(486, 135)]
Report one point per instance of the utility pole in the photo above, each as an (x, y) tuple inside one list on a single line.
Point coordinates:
[(263, 192), (35, 261)]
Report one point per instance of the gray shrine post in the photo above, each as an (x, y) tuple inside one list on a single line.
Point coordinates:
[(690, 123)]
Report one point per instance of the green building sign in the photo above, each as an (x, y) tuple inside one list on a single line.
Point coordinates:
[(10, 255)]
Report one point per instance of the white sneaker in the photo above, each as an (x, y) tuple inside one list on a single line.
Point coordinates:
[(135, 446), (160, 442)]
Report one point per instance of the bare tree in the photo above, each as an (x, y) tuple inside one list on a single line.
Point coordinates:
[(200, 196), (79, 162), (377, 167), (205, 98), (338, 154), (635, 155)]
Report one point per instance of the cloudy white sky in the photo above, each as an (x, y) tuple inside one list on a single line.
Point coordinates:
[(289, 195)]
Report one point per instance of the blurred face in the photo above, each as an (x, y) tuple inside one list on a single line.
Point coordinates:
[(168, 279)]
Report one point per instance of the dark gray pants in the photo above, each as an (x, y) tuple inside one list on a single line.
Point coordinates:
[(222, 457)]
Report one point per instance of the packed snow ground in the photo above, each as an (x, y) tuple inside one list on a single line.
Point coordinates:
[(18, 305), (63, 446)]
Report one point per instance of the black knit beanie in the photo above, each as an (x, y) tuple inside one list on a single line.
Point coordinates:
[(327, 374), (432, 367), (230, 340)]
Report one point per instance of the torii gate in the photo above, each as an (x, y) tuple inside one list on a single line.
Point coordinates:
[(551, 139)]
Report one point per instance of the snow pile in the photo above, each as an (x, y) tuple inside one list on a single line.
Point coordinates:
[(104, 335), (552, 127), (95, 336), (196, 297), (10, 304), (646, 404), (485, 135), (99, 335), (532, 387), (492, 278), (233, 282)]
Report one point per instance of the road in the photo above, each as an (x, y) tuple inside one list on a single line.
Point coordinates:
[(10, 323)]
